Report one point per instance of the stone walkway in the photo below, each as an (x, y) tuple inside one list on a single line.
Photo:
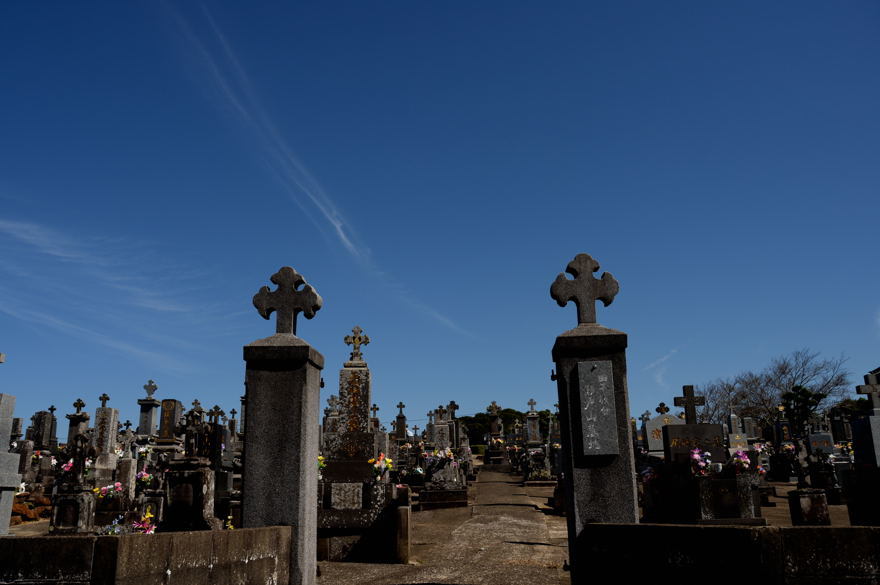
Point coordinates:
[(504, 536)]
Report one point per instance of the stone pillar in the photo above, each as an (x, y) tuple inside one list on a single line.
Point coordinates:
[(9, 463), (282, 389), (596, 437), (147, 420), (79, 424)]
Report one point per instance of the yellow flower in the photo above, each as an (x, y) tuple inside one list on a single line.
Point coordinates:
[(372, 460), (96, 490)]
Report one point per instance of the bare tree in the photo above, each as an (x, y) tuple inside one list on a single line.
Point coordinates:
[(759, 394)]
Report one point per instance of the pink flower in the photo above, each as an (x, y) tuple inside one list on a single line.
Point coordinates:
[(117, 484), (103, 491)]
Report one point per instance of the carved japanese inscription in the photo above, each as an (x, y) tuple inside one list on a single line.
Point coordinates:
[(598, 415)]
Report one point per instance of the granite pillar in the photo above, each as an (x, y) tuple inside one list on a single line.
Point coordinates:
[(9, 463)]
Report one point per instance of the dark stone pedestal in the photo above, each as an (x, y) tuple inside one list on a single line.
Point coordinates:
[(597, 455), (280, 481), (808, 507), (74, 512)]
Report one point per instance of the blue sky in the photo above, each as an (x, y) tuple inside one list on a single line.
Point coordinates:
[(429, 167)]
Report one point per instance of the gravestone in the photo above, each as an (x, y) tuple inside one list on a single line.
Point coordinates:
[(750, 428), (653, 430), (737, 442), (17, 424), (41, 434), (680, 440), (106, 426), (866, 430), (9, 462), (823, 442), (282, 389), (149, 405), (594, 410), (79, 421), (400, 424), (533, 428)]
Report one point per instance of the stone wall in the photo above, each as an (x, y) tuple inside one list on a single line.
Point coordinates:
[(721, 555), (250, 555)]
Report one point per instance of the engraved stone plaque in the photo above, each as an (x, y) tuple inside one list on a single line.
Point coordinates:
[(346, 496), (598, 415)]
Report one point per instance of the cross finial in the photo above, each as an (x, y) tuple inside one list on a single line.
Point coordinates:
[(356, 341), (215, 413), (584, 289), (150, 387), (374, 409), (452, 406), (690, 404), (415, 429), (493, 408), (127, 424), (79, 405), (645, 416), (662, 408), (871, 387), (531, 404), (52, 409), (401, 406), (287, 301), (333, 403), (103, 398), (197, 406), (233, 412)]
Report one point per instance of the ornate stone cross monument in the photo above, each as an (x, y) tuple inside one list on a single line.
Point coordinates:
[(287, 301), (103, 398), (79, 405), (690, 404), (401, 406), (356, 340), (150, 387), (871, 388), (531, 404), (661, 408), (584, 289)]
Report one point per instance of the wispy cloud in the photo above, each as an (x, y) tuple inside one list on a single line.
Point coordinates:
[(218, 58), (659, 368)]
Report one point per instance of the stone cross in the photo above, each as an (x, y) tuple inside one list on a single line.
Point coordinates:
[(215, 413), (584, 289), (401, 406), (416, 430), (52, 409), (79, 405), (871, 387), (452, 406), (645, 417), (662, 408), (374, 409), (127, 424), (197, 406), (531, 404), (287, 301), (103, 398), (493, 408), (430, 416), (690, 404), (233, 412), (356, 341), (150, 387), (333, 402)]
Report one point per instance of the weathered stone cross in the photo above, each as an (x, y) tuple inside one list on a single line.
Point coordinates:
[(871, 387), (662, 408), (374, 409), (430, 416), (233, 412), (493, 408), (127, 424), (690, 404), (215, 413), (584, 289), (150, 387), (79, 405), (531, 404), (52, 409), (287, 301), (103, 398), (645, 417), (356, 341), (452, 406), (401, 406), (416, 430)]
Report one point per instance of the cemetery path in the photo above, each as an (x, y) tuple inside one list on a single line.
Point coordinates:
[(504, 536)]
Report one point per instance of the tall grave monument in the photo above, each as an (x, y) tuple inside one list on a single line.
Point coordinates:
[(594, 410), (149, 407), (282, 389)]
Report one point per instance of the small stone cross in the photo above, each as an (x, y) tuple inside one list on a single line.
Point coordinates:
[(662, 408), (356, 341), (52, 409), (584, 289), (401, 406), (127, 424), (452, 406), (150, 387), (645, 417), (215, 413), (871, 387), (441, 413), (531, 404), (79, 405), (430, 417), (287, 301), (493, 408), (416, 430), (333, 402), (374, 409), (690, 404), (103, 398), (233, 412), (197, 406)]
